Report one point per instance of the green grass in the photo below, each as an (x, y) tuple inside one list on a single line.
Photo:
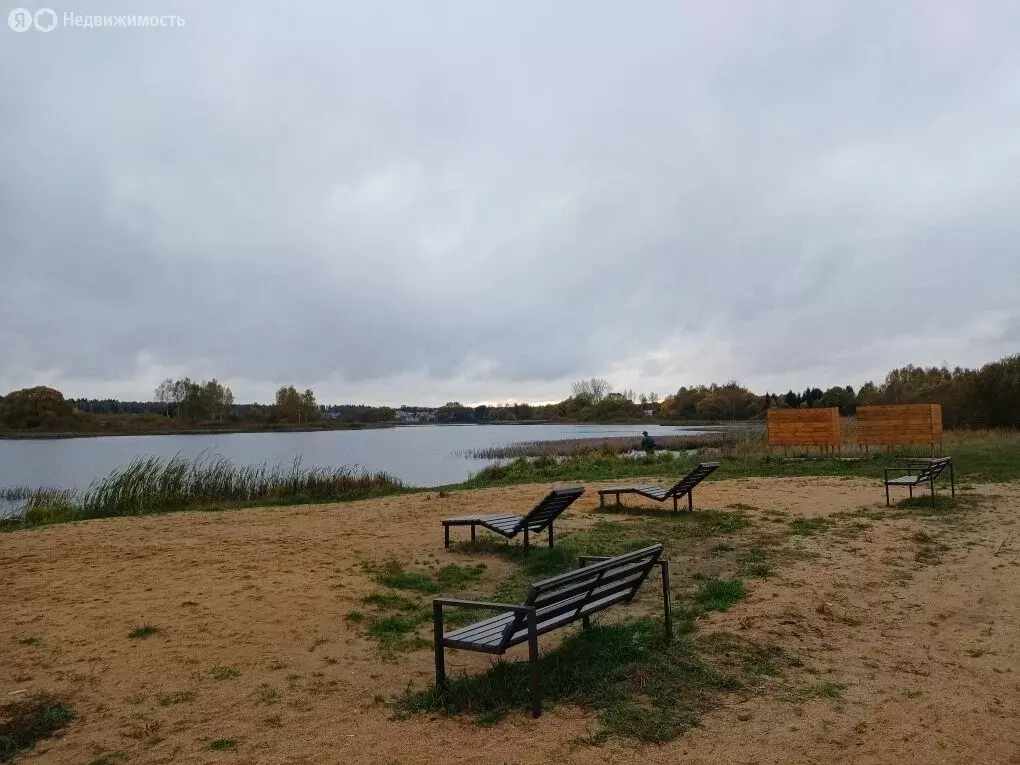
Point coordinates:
[(30, 640), (143, 632), (155, 485), (641, 686), (388, 602), (720, 594), (447, 578), (27, 721), (806, 527), (176, 697), (756, 564), (825, 689), (223, 744), (224, 673)]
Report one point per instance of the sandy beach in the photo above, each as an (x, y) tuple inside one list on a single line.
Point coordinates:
[(915, 621)]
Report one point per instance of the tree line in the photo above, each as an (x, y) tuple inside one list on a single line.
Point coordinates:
[(985, 397)]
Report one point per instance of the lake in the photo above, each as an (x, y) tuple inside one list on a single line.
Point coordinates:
[(419, 455)]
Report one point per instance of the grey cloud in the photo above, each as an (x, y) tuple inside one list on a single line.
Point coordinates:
[(476, 202)]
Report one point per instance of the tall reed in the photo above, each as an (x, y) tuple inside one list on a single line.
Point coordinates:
[(156, 484), (576, 447)]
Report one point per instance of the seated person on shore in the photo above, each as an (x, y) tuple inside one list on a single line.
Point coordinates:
[(647, 442)]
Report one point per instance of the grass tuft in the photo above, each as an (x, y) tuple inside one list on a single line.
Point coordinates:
[(27, 721), (223, 744), (806, 527), (144, 631), (176, 697), (720, 594)]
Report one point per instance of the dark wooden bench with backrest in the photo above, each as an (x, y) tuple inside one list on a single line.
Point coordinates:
[(920, 471), (550, 605), (661, 493), (509, 525)]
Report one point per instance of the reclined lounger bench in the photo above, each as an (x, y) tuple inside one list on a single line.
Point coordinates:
[(549, 605), (541, 516), (660, 493)]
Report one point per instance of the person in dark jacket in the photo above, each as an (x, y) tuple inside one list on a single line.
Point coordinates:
[(647, 442)]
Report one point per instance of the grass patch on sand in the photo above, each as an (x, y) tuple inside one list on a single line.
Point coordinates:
[(720, 594), (27, 721), (641, 686), (392, 574), (143, 632), (808, 527)]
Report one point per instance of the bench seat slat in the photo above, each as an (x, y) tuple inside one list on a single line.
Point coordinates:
[(906, 480)]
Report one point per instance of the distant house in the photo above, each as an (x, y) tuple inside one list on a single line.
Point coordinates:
[(409, 417), (649, 412)]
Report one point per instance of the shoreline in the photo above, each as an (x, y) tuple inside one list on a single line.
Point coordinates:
[(199, 431)]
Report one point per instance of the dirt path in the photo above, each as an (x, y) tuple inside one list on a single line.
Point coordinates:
[(908, 628)]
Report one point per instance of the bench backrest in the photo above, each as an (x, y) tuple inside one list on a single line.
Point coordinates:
[(546, 511), (933, 469), (692, 479), (586, 591)]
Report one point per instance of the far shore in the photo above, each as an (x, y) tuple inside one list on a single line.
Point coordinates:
[(15, 435)]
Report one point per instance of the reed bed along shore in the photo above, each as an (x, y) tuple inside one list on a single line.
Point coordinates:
[(573, 447), (154, 484)]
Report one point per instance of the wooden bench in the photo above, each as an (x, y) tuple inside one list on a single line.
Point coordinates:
[(661, 493), (920, 471), (509, 525), (550, 605)]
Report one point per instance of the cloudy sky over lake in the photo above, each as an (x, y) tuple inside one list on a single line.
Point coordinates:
[(482, 201)]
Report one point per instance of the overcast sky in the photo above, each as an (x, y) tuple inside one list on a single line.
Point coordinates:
[(416, 202)]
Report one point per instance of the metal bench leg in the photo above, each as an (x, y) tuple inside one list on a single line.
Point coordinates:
[(446, 535), (472, 532), (536, 691), (602, 499), (933, 493), (527, 542), (952, 481), (887, 495), (550, 534), (437, 632), (690, 502), (667, 604), (674, 503), (910, 488)]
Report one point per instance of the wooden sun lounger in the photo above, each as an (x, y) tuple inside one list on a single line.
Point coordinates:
[(549, 605), (661, 493), (509, 525)]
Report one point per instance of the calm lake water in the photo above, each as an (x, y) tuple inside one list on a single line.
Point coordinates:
[(421, 455)]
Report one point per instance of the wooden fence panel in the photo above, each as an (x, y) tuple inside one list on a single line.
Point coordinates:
[(804, 427), (899, 425)]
